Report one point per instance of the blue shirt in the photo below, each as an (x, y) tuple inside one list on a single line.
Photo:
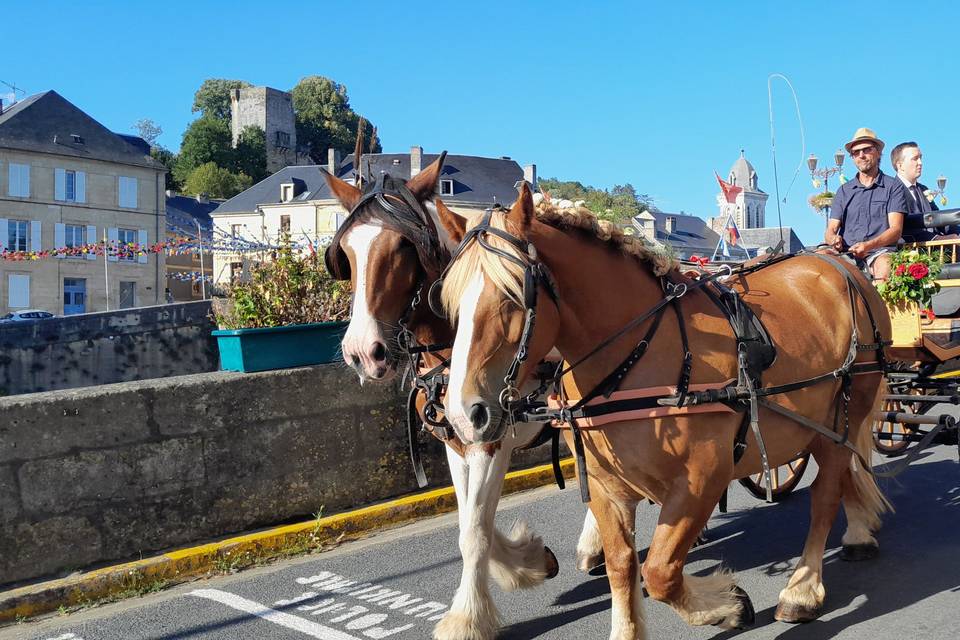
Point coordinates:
[(862, 211)]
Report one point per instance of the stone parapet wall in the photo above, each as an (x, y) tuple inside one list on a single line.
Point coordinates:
[(110, 473), (107, 347)]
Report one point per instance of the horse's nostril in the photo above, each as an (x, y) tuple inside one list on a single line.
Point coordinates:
[(355, 360), (379, 352), (479, 415)]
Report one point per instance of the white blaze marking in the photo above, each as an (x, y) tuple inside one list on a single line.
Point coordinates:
[(362, 324), (306, 627), (461, 353)]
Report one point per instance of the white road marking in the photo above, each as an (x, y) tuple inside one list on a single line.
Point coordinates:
[(296, 623)]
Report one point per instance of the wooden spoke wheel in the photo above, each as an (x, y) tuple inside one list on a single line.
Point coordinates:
[(887, 447), (784, 478)]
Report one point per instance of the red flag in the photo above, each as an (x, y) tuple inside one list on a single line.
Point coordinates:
[(729, 191), (733, 234)]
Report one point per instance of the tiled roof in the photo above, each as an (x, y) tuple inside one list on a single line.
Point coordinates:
[(49, 123), (475, 180)]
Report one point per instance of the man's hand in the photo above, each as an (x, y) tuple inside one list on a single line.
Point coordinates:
[(859, 250), (837, 243)]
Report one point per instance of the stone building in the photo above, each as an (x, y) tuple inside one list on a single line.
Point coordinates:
[(272, 111), (296, 200), (67, 181), (749, 210)]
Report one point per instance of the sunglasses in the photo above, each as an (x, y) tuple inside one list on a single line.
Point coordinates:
[(863, 151)]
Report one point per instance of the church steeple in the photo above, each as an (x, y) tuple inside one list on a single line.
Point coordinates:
[(750, 207)]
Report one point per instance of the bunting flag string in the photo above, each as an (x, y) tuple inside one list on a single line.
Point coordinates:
[(177, 246)]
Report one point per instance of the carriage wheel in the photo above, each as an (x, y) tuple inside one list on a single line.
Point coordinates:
[(893, 448), (785, 479)]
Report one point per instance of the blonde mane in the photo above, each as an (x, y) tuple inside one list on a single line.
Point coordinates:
[(507, 276)]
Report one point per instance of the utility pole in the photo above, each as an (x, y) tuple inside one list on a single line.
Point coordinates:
[(106, 278), (203, 278)]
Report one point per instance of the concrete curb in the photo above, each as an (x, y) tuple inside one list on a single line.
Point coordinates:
[(151, 574)]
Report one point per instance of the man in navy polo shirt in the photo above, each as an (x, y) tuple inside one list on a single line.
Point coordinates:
[(866, 218)]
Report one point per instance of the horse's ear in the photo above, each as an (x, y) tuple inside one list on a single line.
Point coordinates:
[(346, 193), (424, 185), (454, 223), (521, 213)]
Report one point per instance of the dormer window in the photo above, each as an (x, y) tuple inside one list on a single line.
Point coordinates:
[(76, 139), (446, 187), (286, 192)]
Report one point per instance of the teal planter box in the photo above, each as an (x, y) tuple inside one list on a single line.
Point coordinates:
[(295, 345)]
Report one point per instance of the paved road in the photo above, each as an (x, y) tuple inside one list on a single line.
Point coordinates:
[(911, 591)]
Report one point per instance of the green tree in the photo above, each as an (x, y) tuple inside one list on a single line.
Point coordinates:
[(325, 119), (250, 156), (618, 205), (148, 130), (168, 159), (207, 139), (213, 97), (215, 181)]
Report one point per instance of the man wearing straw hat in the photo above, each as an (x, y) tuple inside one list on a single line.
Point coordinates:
[(866, 219)]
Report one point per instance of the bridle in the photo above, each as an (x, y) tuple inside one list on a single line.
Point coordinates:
[(535, 275)]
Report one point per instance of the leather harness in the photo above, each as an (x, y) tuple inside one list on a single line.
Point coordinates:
[(755, 352)]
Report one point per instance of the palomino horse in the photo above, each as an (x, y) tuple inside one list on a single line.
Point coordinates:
[(390, 256), (591, 281)]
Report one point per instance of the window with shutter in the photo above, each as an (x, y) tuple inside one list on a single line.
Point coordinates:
[(128, 192)]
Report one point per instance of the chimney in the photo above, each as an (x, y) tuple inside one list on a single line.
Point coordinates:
[(1, 105), (171, 193), (202, 198), (671, 224), (416, 160), (333, 161), (530, 175)]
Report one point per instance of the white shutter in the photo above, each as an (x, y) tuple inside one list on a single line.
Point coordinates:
[(81, 187), (18, 287), (91, 239), (142, 241), (35, 237), (59, 184), (113, 238), (59, 237), (128, 192), (4, 233), (25, 181)]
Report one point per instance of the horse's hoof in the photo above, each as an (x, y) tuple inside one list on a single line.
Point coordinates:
[(794, 613), (550, 562), (858, 552), (458, 626), (746, 616), (588, 563)]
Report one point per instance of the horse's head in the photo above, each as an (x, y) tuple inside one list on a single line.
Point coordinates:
[(504, 303), (387, 248)]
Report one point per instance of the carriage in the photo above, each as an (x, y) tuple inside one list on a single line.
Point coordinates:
[(926, 371)]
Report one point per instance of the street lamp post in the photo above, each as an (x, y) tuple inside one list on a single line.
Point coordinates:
[(824, 174), (941, 187)]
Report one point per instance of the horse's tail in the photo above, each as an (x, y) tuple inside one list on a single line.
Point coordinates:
[(871, 499)]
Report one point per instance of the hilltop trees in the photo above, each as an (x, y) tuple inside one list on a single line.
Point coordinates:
[(619, 204), (325, 119), (208, 160)]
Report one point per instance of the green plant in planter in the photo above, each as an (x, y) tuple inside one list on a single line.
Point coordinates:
[(291, 287)]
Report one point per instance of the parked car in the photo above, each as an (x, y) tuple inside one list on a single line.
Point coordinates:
[(26, 314)]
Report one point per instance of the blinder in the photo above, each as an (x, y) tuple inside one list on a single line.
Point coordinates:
[(399, 203)]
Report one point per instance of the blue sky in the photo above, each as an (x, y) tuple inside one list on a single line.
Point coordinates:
[(660, 95)]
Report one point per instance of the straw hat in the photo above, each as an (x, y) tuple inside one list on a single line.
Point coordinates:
[(865, 135)]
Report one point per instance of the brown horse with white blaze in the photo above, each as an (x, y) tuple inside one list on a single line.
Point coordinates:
[(389, 259), (684, 457)]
